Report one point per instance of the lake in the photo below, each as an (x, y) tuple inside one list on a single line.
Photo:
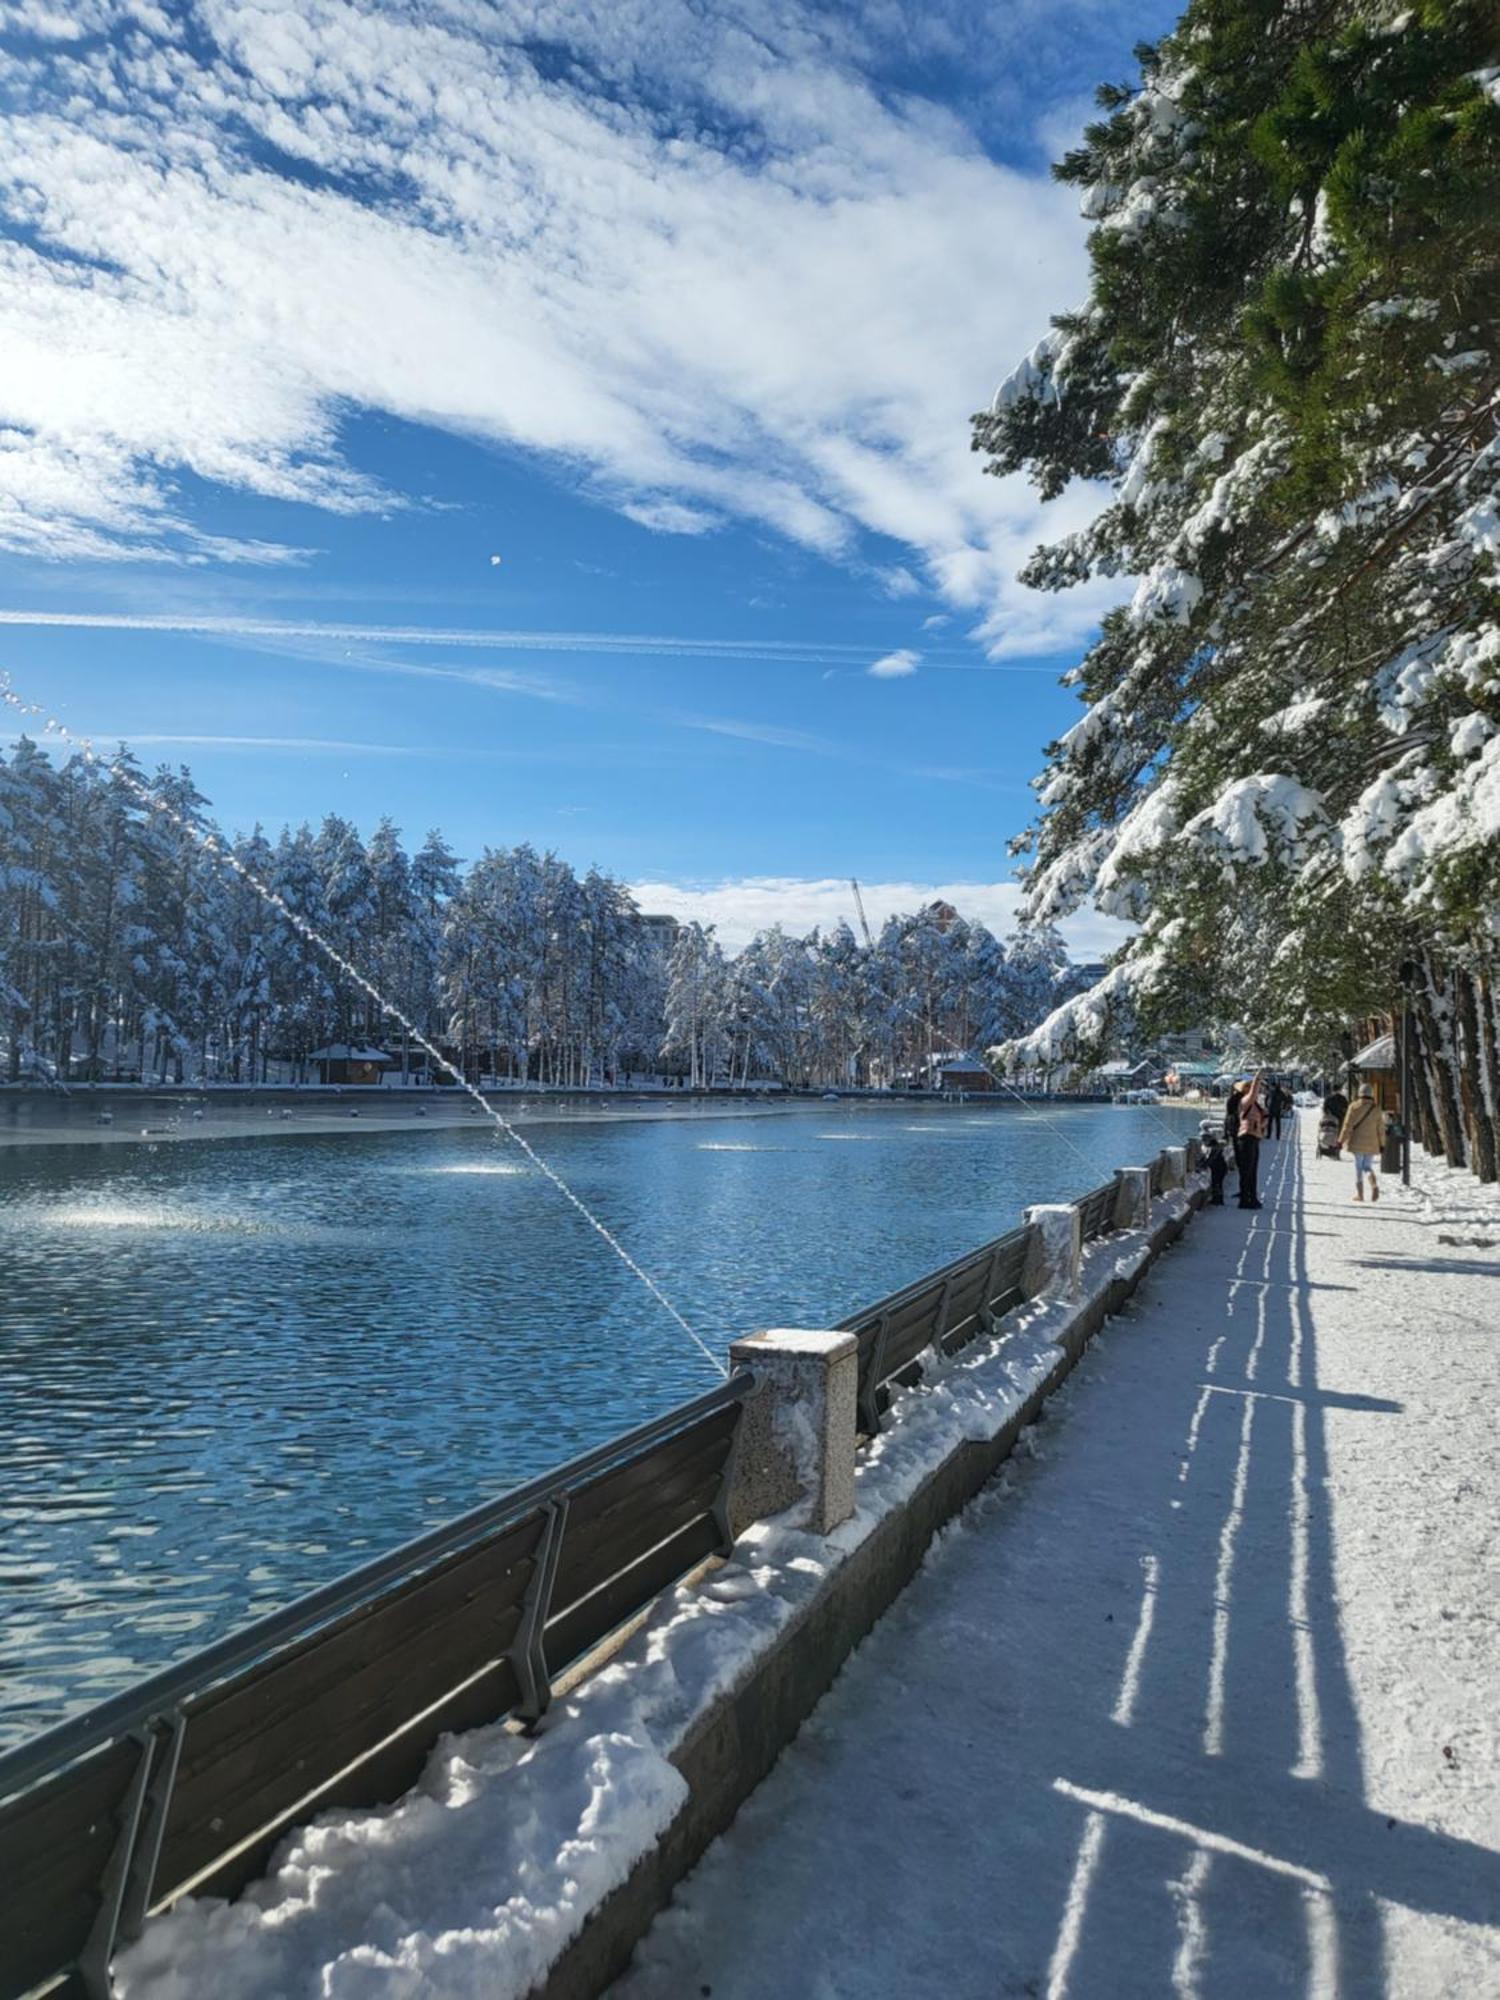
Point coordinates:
[(230, 1371)]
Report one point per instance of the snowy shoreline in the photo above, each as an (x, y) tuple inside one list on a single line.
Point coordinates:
[(174, 1117)]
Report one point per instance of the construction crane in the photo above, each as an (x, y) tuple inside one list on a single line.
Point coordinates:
[(864, 921)]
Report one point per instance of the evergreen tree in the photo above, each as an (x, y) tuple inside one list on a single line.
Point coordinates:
[(1288, 370), (130, 946)]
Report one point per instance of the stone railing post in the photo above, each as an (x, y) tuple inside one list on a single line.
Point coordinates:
[(1174, 1167), (796, 1443), (1054, 1254), (1133, 1198)]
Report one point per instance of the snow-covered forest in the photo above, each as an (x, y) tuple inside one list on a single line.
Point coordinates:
[(128, 949), (1287, 371)]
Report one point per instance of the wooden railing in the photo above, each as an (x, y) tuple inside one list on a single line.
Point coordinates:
[(944, 1310), (192, 1777)]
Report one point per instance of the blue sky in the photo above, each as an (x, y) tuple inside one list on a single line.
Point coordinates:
[(679, 312)]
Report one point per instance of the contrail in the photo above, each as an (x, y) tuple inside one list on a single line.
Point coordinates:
[(792, 650), (788, 652)]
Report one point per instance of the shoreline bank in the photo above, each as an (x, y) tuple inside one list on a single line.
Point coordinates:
[(175, 1117), (136, 1114)]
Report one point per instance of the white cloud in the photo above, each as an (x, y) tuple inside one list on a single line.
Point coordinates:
[(730, 277), (895, 666), (669, 517), (738, 908)]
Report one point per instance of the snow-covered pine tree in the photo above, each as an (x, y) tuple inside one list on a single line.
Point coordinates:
[(1288, 371), (32, 858), (697, 1011)]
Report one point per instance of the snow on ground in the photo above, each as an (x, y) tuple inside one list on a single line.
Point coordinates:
[(1201, 1698), (1460, 1211)]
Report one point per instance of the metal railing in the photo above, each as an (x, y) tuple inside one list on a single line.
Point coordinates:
[(945, 1309)]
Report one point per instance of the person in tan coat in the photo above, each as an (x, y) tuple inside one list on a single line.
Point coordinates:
[(1364, 1134)]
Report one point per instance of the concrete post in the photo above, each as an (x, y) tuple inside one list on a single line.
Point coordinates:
[(796, 1443), (1133, 1198), (1054, 1254), (1174, 1167)]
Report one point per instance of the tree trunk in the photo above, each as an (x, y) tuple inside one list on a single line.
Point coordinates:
[(1489, 1057), (1421, 1092), (1434, 1013), (1471, 1078)]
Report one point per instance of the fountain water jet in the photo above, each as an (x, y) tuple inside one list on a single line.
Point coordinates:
[(214, 847)]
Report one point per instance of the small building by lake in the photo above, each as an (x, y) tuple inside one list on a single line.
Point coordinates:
[(347, 1062), (962, 1073), (1123, 1074)]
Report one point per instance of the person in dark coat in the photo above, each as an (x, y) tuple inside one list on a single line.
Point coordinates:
[(1335, 1105), (1215, 1157), (1280, 1104)]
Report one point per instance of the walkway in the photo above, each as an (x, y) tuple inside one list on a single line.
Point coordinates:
[(1204, 1697)]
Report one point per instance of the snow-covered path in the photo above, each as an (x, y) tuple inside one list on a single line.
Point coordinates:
[(1203, 1699)]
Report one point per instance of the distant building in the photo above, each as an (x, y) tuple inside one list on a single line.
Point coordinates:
[(344, 1062), (661, 928), (962, 1073), (1123, 1074), (1185, 1076)]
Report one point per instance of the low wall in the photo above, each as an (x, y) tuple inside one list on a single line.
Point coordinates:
[(728, 1747)]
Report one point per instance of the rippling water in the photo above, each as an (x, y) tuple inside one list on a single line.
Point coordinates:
[(232, 1371)]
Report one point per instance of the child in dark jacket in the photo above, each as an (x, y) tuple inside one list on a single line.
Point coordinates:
[(1215, 1157)]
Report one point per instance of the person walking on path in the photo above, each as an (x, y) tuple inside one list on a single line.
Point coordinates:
[(1246, 1119), (1278, 1107), (1364, 1134)]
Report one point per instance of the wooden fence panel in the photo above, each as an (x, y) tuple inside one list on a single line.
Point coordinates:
[(628, 1527), (256, 1747), (337, 1701), (55, 1844), (594, 1617), (1097, 1208)]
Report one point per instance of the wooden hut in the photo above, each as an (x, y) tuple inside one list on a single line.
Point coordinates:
[(346, 1062), (962, 1073), (1376, 1064)]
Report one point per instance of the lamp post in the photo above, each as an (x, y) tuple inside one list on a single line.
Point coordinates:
[(1408, 1052)]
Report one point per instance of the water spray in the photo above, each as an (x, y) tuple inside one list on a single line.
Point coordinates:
[(213, 846)]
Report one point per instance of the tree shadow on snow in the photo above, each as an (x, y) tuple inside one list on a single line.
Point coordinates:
[(1206, 1779), (1105, 1746), (1469, 1267)]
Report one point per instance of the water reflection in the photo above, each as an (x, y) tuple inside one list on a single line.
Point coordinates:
[(231, 1371)]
